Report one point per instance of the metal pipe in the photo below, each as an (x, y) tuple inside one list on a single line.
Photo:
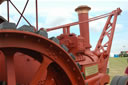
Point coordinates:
[(64, 30), (68, 30), (84, 27), (36, 14), (8, 10)]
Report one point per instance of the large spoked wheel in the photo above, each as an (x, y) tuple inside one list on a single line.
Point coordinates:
[(30, 59)]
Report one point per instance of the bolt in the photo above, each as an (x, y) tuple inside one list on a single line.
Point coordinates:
[(28, 60), (6, 35), (38, 40), (78, 78), (68, 60), (60, 52), (25, 36), (74, 69)]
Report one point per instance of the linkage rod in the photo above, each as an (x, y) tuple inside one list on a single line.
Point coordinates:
[(76, 23), (19, 12), (22, 12), (8, 10), (36, 15)]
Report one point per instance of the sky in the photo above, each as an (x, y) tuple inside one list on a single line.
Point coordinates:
[(58, 12)]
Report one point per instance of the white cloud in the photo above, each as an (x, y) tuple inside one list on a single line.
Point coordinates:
[(119, 27), (58, 9), (54, 15), (119, 45), (97, 25), (112, 54), (58, 17), (55, 33)]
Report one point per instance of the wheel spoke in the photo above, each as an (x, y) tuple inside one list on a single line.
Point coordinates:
[(10, 68), (42, 70), (10, 71), (2, 66)]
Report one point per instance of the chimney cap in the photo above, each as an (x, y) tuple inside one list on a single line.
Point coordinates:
[(83, 8)]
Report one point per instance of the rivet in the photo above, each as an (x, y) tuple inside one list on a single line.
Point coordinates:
[(28, 60), (53, 54), (25, 36), (6, 35), (38, 40), (51, 46), (60, 52), (78, 78), (47, 49), (68, 60), (74, 69)]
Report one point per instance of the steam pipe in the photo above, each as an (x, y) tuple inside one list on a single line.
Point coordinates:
[(84, 27)]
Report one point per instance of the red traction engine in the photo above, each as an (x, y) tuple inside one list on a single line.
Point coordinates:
[(29, 57)]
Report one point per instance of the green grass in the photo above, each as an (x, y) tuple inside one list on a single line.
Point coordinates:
[(117, 66)]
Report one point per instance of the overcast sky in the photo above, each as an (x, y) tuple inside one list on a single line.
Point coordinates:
[(58, 12)]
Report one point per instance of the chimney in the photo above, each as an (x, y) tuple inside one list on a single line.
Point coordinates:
[(84, 27)]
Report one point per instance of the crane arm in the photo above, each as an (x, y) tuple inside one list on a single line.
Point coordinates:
[(103, 46), (108, 32)]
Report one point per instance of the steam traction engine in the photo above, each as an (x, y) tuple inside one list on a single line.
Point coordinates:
[(29, 57)]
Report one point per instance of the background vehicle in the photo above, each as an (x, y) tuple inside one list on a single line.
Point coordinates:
[(123, 54)]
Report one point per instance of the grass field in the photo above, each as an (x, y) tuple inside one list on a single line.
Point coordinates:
[(117, 66)]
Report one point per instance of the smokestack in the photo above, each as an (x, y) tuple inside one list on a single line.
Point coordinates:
[(84, 27)]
